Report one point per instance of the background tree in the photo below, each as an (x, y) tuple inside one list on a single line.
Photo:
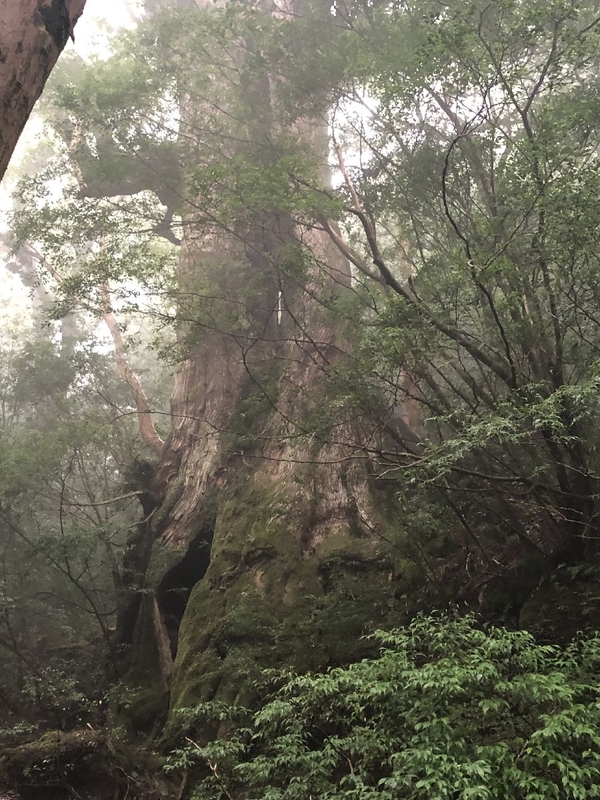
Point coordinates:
[(62, 530), (460, 200), (74, 432)]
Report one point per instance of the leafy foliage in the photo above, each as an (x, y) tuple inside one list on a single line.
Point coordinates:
[(447, 710)]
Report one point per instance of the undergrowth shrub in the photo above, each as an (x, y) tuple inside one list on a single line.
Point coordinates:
[(447, 711)]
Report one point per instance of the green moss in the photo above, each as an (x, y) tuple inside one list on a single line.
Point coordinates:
[(265, 601), (83, 763), (57, 759), (162, 559), (347, 548), (142, 697)]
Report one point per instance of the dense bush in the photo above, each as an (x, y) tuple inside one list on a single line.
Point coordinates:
[(447, 710)]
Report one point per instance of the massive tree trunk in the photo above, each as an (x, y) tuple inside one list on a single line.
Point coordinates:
[(32, 36), (261, 544)]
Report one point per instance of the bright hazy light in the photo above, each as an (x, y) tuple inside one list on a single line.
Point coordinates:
[(99, 19)]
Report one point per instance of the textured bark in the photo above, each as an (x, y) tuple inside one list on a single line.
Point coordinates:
[(32, 36), (297, 568)]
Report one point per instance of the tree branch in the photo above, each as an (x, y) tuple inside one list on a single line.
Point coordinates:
[(148, 430)]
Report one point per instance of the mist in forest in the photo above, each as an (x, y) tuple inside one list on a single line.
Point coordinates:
[(299, 370)]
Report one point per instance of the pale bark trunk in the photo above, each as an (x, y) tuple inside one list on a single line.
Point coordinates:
[(32, 36), (147, 428)]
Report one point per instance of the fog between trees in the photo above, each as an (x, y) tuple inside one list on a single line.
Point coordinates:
[(356, 246)]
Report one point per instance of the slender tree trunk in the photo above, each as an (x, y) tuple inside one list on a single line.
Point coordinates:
[(147, 428)]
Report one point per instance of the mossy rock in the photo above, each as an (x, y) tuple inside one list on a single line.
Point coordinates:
[(57, 762), (81, 764)]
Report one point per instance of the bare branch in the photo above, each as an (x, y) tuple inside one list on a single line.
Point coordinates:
[(148, 430)]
